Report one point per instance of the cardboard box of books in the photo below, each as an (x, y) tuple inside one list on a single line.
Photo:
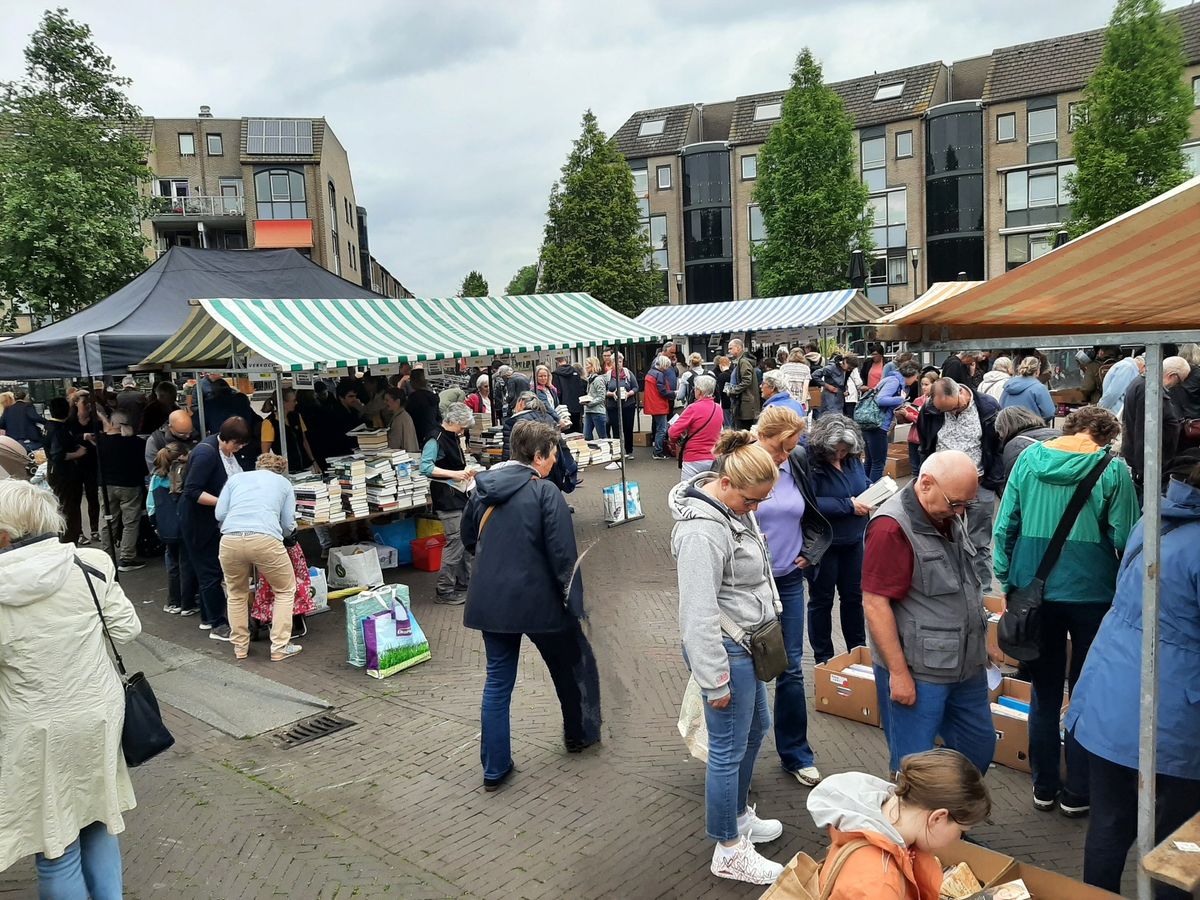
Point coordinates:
[(1010, 717), (845, 687), (973, 873)]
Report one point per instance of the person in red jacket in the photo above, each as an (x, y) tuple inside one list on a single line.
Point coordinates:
[(659, 399), (698, 426)]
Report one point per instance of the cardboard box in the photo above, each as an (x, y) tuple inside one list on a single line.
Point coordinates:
[(844, 694), (992, 869), (897, 468), (1012, 734), (898, 451), (642, 439), (1068, 397), (814, 398), (986, 865), (995, 607)]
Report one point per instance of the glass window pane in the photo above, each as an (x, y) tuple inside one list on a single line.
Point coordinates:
[(1064, 190), (873, 152), (879, 236), (1017, 190), (1191, 156), (897, 270), (214, 145), (651, 127), (878, 270), (1006, 127), (279, 186), (758, 231), (897, 236), (264, 211), (1039, 245), (643, 207), (658, 231), (641, 185), (750, 167), (299, 210), (897, 207), (889, 91), (660, 259), (297, 181), (904, 146), (187, 145), (664, 177), (875, 179), (1043, 125), (1016, 249), (1043, 190), (878, 207), (765, 111)]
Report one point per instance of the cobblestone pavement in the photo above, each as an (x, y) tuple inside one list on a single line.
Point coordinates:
[(394, 805)]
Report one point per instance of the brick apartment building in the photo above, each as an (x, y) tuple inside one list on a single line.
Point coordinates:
[(243, 183), (966, 164)]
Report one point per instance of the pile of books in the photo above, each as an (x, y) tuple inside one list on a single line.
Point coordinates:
[(595, 452), (312, 498), (370, 440), (492, 440), (381, 484), (351, 474), (337, 512)]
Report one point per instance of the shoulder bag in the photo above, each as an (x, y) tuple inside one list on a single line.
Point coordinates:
[(1019, 631), (144, 735), (677, 447), (765, 643), (801, 877)]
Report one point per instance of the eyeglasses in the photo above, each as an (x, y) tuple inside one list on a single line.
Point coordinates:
[(755, 501), (954, 504)]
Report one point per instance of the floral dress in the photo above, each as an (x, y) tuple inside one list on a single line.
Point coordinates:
[(264, 597)]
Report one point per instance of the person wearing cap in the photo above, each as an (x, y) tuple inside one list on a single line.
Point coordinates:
[(131, 400), (1175, 370)]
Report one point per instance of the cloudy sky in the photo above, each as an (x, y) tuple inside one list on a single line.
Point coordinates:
[(458, 115)]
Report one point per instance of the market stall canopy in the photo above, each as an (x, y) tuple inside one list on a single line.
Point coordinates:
[(761, 314), (301, 335), (939, 291), (117, 332), (1138, 272)]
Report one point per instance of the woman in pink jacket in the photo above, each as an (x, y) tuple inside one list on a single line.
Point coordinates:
[(698, 428)]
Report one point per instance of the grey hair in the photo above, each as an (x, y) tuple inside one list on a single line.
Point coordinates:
[(947, 387), (781, 355), (529, 400), (738, 343), (776, 381), (704, 385), (832, 431), (1012, 420), (26, 510), (662, 362), (908, 369), (504, 371), (1002, 364), (459, 414)]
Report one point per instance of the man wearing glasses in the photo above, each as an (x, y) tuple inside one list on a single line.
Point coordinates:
[(925, 617)]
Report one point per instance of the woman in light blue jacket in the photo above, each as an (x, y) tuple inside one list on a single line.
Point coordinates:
[(1024, 389)]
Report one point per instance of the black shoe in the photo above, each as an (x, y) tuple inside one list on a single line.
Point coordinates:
[(1073, 807), (493, 784), (574, 746), (130, 565), (454, 599), (1043, 801), (658, 456)]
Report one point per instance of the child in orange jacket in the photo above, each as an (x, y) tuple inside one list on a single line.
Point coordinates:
[(937, 797)]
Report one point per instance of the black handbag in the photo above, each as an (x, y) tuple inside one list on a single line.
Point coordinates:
[(144, 735), (1019, 632)]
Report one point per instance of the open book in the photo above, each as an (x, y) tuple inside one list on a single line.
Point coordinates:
[(878, 492)]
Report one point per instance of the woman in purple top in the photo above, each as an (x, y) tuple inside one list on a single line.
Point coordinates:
[(797, 537)]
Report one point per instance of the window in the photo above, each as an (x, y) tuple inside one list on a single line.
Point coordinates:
[(903, 144), (1064, 189), (651, 127), (897, 270), (214, 145), (231, 197), (889, 219), (172, 187), (888, 91), (1006, 128), (1042, 125), (1016, 192), (280, 194), (1191, 157), (874, 175), (337, 258), (1038, 196), (641, 183), (333, 213), (663, 174), (285, 137), (350, 254), (1077, 115), (1043, 189), (1022, 248), (764, 112), (187, 144), (750, 167), (231, 187), (1196, 91), (878, 273), (758, 231), (658, 241)]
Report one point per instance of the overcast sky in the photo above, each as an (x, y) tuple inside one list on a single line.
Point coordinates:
[(458, 115)]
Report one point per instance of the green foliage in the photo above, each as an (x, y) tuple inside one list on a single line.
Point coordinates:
[(1136, 115), (812, 200), (71, 172), (594, 242), (524, 282), (474, 285)]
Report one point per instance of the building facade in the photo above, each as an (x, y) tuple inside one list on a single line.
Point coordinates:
[(966, 164), (256, 183)]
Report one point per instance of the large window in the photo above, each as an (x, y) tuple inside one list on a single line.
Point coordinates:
[(1077, 115), (766, 111), (658, 242), (663, 174), (1006, 128), (1038, 196), (1022, 248), (171, 187), (874, 162), (954, 205), (904, 147), (282, 137), (187, 144), (706, 178), (707, 233), (750, 167), (1191, 157), (888, 269), (888, 91), (1196, 91), (1042, 125), (889, 222), (280, 194), (758, 231), (954, 143), (333, 213)]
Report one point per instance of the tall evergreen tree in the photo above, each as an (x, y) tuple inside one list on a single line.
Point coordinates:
[(812, 200), (524, 282), (594, 242), (1135, 117), (71, 173), (474, 285)]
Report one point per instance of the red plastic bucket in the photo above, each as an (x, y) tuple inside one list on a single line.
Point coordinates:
[(427, 552)]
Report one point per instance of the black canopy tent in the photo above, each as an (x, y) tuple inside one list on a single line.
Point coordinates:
[(121, 330)]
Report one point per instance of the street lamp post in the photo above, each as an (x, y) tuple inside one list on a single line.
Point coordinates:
[(915, 255), (679, 285)]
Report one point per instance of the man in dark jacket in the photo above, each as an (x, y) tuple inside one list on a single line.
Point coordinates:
[(564, 474), (743, 386), (177, 430), (121, 457), (423, 406), (542, 598), (571, 387), (958, 367), (157, 410), (63, 452), (1176, 370), (958, 418), (22, 423)]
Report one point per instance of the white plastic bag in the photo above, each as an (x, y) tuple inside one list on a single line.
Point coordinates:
[(691, 721), (320, 590), (355, 565)]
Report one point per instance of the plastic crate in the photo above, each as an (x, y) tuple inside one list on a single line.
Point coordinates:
[(427, 553), (429, 527)]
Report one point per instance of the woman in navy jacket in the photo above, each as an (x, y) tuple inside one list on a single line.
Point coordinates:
[(519, 528), (209, 466)]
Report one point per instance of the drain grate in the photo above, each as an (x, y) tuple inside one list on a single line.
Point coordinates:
[(312, 729)]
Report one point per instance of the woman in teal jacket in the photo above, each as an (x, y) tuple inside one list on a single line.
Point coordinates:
[(1106, 707)]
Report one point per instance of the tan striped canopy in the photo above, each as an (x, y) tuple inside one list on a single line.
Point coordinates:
[(1139, 272)]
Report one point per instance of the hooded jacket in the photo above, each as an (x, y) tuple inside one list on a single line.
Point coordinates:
[(993, 383), (1106, 703), (1021, 441), (723, 567), (850, 805), (1035, 498), (61, 702), (525, 557), (1021, 390), (571, 389)]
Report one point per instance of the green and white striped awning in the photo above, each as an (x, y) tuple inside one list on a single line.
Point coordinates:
[(301, 334)]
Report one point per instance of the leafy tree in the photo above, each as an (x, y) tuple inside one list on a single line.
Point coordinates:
[(474, 285), (812, 200), (1136, 109), (594, 241), (524, 282), (71, 173)]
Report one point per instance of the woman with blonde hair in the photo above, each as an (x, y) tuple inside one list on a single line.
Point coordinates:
[(724, 570), (595, 418), (1026, 389)]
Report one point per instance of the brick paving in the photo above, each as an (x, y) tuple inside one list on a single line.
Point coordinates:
[(394, 806)]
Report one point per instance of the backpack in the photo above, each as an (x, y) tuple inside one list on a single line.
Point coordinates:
[(801, 877), (689, 390)]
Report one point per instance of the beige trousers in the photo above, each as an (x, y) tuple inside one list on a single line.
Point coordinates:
[(240, 553)]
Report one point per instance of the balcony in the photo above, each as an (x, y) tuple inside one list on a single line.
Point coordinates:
[(198, 207)]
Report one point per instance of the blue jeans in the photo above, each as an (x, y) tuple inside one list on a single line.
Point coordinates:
[(961, 713), (572, 666), (791, 707), (914, 458), (734, 735), (841, 572), (595, 424), (90, 866), (876, 442), (659, 426)]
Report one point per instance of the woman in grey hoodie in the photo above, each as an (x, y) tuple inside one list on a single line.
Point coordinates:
[(725, 569)]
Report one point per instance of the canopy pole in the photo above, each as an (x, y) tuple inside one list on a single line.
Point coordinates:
[(618, 369), (1151, 536), (280, 415)]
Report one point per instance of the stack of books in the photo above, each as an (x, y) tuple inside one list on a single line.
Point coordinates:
[(312, 498), (492, 441), (595, 452), (370, 440), (337, 512), (351, 473), (381, 484)]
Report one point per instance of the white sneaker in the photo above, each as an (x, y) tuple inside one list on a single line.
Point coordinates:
[(613, 466), (759, 831), (742, 862), (809, 776)]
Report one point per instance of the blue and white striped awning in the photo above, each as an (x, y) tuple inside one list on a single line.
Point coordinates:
[(761, 314)]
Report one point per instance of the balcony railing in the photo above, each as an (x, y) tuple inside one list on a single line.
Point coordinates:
[(199, 206)]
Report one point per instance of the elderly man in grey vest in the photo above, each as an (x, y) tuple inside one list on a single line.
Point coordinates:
[(928, 628)]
